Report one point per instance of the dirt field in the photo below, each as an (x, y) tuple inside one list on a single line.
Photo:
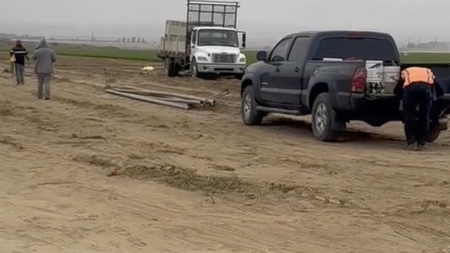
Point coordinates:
[(92, 172)]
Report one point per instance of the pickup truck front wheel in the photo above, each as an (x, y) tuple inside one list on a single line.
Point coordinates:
[(323, 119), (250, 115)]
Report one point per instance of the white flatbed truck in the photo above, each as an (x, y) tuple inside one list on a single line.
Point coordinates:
[(208, 42)]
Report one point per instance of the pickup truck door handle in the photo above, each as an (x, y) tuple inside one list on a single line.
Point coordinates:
[(277, 69), (297, 69)]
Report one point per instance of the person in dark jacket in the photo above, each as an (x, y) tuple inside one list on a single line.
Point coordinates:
[(20, 54), (44, 58)]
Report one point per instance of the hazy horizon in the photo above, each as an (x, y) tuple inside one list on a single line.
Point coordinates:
[(263, 22)]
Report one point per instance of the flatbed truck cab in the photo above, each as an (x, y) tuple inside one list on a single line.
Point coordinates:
[(208, 42)]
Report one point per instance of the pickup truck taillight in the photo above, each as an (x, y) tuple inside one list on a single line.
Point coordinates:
[(359, 80)]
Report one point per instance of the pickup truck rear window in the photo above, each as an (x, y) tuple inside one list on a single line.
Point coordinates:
[(356, 48)]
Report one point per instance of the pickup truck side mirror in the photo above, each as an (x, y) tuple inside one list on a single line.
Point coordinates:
[(261, 56)]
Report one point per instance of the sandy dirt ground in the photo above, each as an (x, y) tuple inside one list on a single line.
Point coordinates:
[(92, 172)]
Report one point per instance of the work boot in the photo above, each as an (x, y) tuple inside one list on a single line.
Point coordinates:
[(422, 147), (409, 146)]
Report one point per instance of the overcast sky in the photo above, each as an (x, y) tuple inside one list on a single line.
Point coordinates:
[(261, 18)]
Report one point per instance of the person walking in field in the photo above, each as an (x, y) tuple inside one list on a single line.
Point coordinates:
[(44, 58), (19, 54)]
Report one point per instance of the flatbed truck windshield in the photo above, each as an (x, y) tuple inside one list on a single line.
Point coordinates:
[(216, 37)]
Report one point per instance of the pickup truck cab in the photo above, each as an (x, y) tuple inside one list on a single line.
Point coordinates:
[(330, 75)]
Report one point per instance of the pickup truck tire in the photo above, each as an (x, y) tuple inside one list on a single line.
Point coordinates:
[(432, 134), (323, 119), (249, 114), (169, 67)]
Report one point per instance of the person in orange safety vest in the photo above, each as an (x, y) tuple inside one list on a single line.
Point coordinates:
[(417, 92)]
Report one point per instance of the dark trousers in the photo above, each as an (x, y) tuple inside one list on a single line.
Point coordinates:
[(417, 123), (20, 73)]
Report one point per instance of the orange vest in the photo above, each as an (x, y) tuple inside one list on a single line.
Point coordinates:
[(417, 74)]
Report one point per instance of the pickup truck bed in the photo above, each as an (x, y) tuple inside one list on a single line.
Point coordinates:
[(298, 78), (382, 108)]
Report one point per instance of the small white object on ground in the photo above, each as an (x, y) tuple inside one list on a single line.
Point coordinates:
[(147, 69)]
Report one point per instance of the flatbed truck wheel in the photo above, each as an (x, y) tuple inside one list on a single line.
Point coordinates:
[(238, 76), (194, 69), (170, 68)]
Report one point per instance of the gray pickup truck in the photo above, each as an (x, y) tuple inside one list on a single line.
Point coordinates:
[(325, 74)]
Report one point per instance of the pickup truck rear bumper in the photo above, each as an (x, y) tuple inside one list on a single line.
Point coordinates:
[(357, 100), (221, 68), (360, 102), (379, 109)]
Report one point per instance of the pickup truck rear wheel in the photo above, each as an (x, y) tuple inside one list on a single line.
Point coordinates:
[(433, 134), (249, 114), (323, 119)]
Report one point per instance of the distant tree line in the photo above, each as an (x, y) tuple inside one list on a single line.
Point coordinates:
[(432, 45), (131, 40)]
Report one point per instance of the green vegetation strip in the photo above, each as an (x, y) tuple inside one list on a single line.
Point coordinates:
[(150, 55)]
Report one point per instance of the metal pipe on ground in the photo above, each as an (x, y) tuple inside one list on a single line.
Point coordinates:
[(178, 100), (164, 98), (150, 100), (154, 92), (191, 102)]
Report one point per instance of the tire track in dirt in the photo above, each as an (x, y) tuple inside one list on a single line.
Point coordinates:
[(106, 163), (360, 187), (225, 154)]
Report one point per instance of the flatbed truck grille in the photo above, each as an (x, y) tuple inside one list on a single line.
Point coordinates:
[(224, 58)]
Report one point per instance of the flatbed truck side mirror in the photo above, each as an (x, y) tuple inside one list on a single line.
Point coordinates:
[(261, 56), (244, 40)]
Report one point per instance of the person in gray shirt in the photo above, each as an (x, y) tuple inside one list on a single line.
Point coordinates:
[(44, 58)]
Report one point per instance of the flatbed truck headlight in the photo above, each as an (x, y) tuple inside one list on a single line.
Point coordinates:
[(202, 58)]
